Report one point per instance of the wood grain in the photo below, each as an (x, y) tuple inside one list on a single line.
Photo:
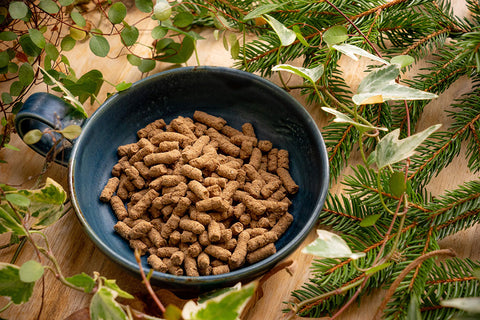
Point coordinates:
[(76, 253)]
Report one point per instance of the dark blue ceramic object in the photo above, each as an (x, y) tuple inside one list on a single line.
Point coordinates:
[(236, 96)]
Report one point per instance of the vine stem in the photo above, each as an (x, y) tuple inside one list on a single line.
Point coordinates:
[(404, 273), (147, 283)]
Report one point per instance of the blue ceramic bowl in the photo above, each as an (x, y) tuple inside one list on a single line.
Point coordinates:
[(236, 96)]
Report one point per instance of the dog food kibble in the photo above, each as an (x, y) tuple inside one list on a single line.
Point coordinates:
[(200, 197)]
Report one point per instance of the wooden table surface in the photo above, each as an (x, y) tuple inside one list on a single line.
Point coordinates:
[(76, 253)]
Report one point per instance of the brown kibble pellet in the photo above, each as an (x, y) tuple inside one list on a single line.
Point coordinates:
[(203, 260), (168, 157), (247, 129), (199, 190), (170, 226), (173, 269), (224, 143), (194, 249), (214, 232), (168, 180), (265, 145), (227, 171), (140, 229), (192, 226), (143, 204), (188, 237), (142, 169), (157, 263), (139, 245), (195, 150), (154, 236), (181, 125), (122, 229), (282, 159), (211, 181), (261, 240), (138, 156), (166, 252), (256, 158), (261, 253), (118, 207), (177, 258), (109, 189), (220, 269), (215, 203), (157, 124), (287, 180), (212, 121), (191, 172), (239, 254), (230, 131), (191, 269), (218, 252), (170, 136), (272, 160), (182, 206), (165, 146)]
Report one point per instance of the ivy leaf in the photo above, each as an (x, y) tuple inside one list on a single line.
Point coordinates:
[(354, 51), (183, 19), (370, 220), (330, 245), (26, 74), (129, 35), (71, 132), (112, 285), (17, 200), (380, 86), (311, 75), (300, 37), (9, 221), (104, 306), (82, 281), (263, 9), (144, 5), (287, 36), (468, 304), (403, 60), (343, 118), (46, 204), (99, 46), (37, 37), (122, 86), (226, 306), (391, 150), (335, 35), (78, 18), (49, 6), (11, 285), (17, 10), (30, 271), (117, 13)]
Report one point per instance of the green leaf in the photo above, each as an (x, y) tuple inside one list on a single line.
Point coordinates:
[(82, 281), (6, 98), (71, 132), (17, 200), (468, 304), (179, 53), (378, 268), (103, 306), (32, 136), (8, 36), (354, 51), (11, 285), (12, 67), (78, 18), (16, 88), (159, 32), (300, 37), (99, 46), (77, 34), (65, 3), (144, 5), (172, 312), (235, 49), (227, 306), (29, 48), (10, 222), (129, 35), (9, 146), (162, 10), (397, 183), (134, 60), (263, 9), (287, 36), (122, 86), (413, 309), (380, 86), (49, 6), (311, 75), (18, 10), (37, 37), (112, 285), (68, 43), (335, 35), (403, 60), (117, 12), (30, 271), (330, 245), (343, 118), (26, 74), (370, 220), (51, 51), (183, 19), (4, 59), (391, 150)]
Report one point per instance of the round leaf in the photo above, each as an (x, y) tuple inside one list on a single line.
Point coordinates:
[(123, 86), (12, 67), (78, 18), (17, 199), (18, 10), (37, 38), (49, 6), (403, 60), (32, 136), (6, 98), (370, 220), (29, 48), (68, 43), (4, 59), (31, 271), (397, 183), (76, 33), (134, 60), (16, 88), (65, 3), (99, 46), (72, 131), (162, 10), (159, 32), (183, 19), (117, 13), (335, 35), (129, 35), (146, 65), (144, 5), (51, 51), (25, 74), (8, 36)]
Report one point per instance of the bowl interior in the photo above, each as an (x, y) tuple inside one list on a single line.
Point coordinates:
[(236, 96)]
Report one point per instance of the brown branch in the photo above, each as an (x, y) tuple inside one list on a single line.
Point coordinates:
[(405, 272), (338, 213), (425, 249), (425, 39), (451, 280), (460, 217), (444, 209), (381, 7)]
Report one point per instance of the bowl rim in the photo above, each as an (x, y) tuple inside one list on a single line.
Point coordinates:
[(235, 275)]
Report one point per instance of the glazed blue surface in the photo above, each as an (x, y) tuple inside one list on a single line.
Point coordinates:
[(45, 111), (236, 96)]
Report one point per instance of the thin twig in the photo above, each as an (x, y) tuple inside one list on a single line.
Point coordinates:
[(147, 283)]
